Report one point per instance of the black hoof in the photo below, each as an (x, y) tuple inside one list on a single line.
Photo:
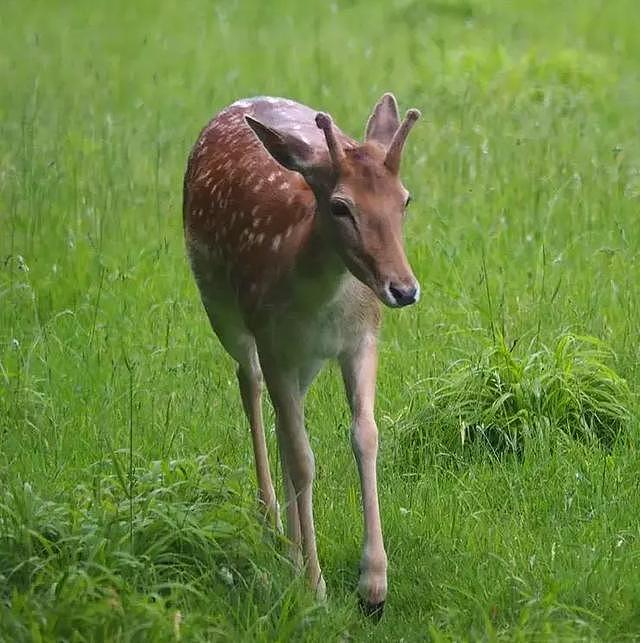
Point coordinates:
[(372, 610)]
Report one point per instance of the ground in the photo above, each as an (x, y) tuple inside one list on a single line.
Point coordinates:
[(126, 481)]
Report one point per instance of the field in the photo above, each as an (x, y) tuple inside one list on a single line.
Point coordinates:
[(507, 399)]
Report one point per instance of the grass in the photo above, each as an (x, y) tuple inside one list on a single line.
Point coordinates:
[(500, 398), (126, 485)]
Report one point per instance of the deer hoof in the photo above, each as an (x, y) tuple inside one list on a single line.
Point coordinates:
[(373, 611)]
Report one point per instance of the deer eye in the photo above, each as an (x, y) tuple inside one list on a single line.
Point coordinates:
[(339, 208)]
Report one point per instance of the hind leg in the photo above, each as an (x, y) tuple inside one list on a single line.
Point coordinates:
[(251, 385), (228, 325)]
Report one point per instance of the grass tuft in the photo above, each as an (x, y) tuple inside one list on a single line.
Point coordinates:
[(193, 538), (503, 395)]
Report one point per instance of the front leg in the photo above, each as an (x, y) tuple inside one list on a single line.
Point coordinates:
[(359, 372), (297, 459)]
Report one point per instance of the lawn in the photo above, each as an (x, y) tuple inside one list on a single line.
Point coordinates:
[(507, 398)]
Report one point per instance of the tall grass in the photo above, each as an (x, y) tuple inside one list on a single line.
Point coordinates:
[(194, 546), (126, 483), (500, 397)]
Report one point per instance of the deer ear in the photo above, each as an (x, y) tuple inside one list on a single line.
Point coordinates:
[(384, 120), (290, 151)]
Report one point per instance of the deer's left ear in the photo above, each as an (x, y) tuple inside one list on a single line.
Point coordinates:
[(384, 121), (289, 150)]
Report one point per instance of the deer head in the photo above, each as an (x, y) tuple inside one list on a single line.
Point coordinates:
[(361, 200)]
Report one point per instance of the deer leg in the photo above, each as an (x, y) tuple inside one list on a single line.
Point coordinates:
[(293, 518), (228, 325), (299, 467), (359, 374), (251, 384)]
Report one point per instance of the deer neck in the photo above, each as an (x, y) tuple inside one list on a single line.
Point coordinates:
[(320, 270)]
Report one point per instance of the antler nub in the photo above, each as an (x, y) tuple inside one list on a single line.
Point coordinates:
[(324, 122), (413, 114), (394, 151)]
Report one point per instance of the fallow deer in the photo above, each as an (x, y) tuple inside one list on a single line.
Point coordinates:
[(294, 235)]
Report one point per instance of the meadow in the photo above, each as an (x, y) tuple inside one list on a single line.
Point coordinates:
[(507, 398)]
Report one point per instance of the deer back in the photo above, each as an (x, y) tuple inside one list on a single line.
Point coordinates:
[(244, 211)]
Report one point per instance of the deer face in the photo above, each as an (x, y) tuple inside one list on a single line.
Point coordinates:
[(361, 200), (365, 214)]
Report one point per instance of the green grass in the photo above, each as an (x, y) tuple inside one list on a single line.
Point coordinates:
[(126, 485), (499, 400)]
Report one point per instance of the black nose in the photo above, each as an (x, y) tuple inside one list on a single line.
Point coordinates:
[(404, 295)]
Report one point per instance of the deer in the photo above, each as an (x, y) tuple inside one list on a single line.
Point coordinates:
[(294, 234)]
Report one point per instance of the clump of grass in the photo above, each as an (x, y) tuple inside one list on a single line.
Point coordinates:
[(503, 395), (70, 566)]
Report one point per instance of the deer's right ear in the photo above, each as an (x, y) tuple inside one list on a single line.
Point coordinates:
[(290, 151), (384, 120)]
